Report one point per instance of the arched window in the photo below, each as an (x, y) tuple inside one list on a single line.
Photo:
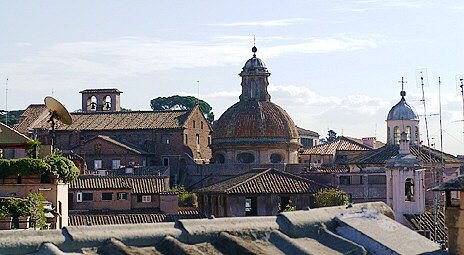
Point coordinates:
[(245, 158), (408, 132), (397, 135), (417, 134), (388, 134), (219, 158), (409, 190), (107, 103), (276, 158), (92, 103)]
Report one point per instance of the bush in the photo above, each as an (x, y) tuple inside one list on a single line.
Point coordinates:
[(33, 148), (23, 167), (62, 166), (185, 198), (330, 197)]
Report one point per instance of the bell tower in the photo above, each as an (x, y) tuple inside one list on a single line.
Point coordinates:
[(94, 100), (405, 182)]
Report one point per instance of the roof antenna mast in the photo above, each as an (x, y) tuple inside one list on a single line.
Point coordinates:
[(198, 93), (6, 101)]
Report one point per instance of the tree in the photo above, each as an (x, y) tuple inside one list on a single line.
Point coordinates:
[(182, 102), (331, 136), (13, 117), (331, 197)]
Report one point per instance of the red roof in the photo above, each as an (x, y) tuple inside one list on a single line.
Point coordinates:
[(264, 181), (340, 144)]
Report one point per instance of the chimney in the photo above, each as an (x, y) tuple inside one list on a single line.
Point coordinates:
[(454, 214), (369, 141)]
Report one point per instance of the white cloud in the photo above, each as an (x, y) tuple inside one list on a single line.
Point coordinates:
[(134, 56), (267, 23)]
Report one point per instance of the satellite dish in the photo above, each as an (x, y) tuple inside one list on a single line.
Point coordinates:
[(58, 111)]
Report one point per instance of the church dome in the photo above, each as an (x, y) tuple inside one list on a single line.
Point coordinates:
[(402, 110), (254, 123)]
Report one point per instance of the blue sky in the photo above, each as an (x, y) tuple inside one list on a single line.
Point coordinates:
[(333, 64)]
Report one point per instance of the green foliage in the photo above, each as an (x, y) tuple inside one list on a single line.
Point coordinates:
[(289, 207), (33, 148), (23, 167), (52, 164), (182, 102), (62, 166), (185, 198), (13, 117), (330, 197), (35, 204)]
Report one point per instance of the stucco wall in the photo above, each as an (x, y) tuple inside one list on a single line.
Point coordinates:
[(98, 204)]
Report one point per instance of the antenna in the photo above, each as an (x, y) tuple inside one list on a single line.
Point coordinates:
[(421, 78), (59, 112), (198, 98), (460, 84), (6, 101)]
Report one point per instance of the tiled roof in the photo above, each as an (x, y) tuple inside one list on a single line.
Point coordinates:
[(340, 144), (358, 229), (454, 184), (381, 155), (377, 144), (263, 181), (123, 144), (169, 119), (30, 116), (256, 120), (138, 184), (130, 218), (138, 171), (327, 169), (425, 222), (302, 131)]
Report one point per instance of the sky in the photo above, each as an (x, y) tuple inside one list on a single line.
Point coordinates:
[(334, 64)]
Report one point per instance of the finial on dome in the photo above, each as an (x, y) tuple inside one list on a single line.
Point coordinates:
[(402, 93), (254, 49)]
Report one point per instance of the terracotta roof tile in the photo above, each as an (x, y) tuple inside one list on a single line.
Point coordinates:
[(111, 219), (340, 144), (32, 114), (138, 184), (381, 155), (425, 222), (123, 120), (263, 181), (302, 131)]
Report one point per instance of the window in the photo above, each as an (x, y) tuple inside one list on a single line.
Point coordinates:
[(220, 158), (376, 179), (186, 139), (116, 163), (345, 180), (408, 132), (146, 199), (209, 140), (356, 179), (70, 140), (122, 195), (107, 103), (141, 139), (79, 197), (276, 158), (388, 134), (198, 139), (409, 190), (246, 158), (397, 135), (417, 134), (165, 161), (250, 206), (193, 124), (87, 196), (201, 124), (107, 196), (97, 164), (165, 139)]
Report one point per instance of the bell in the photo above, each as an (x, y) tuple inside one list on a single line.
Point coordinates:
[(93, 106), (108, 105)]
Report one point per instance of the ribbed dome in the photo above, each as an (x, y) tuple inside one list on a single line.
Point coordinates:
[(402, 111), (254, 122), (254, 65)]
